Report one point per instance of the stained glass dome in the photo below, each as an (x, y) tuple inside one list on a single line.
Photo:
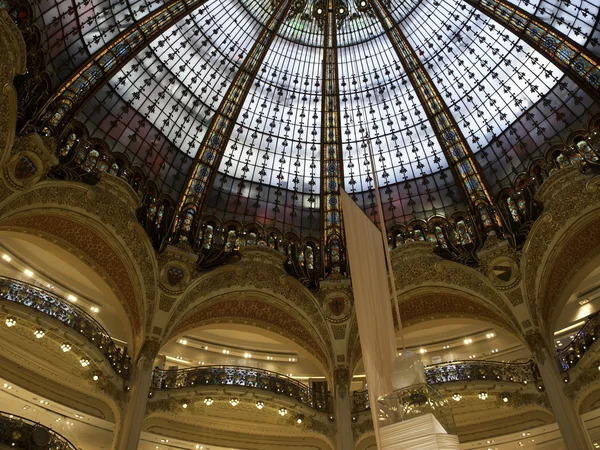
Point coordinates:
[(402, 76)]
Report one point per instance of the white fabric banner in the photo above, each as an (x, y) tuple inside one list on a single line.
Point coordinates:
[(372, 301)]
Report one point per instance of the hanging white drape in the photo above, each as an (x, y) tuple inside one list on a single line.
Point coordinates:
[(366, 257)]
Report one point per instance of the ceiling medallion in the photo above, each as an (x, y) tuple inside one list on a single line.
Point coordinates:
[(337, 307)]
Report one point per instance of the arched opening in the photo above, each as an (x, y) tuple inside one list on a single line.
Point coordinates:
[(58, 270)]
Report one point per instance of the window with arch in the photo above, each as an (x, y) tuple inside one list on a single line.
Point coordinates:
[(463, 234), (484, 215), (586, 150), (513, 208), (439, 234), (231, 241), (91, 159), (114, 169), (309, 257), (207, 239), (68, 144)]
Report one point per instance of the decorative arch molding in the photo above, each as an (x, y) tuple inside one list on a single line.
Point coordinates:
[(98, 225), (14, 54), (571, 202), (416, 267), (575, 255), (259, 272), (260, 310), (429, 303)]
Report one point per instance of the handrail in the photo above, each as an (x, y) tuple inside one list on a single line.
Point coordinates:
[(18, 432), (242, 376), (482, 370), (465, 371), (569, 356), (69, 314)]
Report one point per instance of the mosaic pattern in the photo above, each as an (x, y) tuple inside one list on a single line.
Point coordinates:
[(481, 105), (451, 139), (223, 122), (559, 49), (75, 91)]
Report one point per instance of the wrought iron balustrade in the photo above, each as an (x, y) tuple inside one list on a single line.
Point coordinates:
[(24, 434), (569, 356), (360, 401), (242, 376), (465, 371), (482, 370), (70, 315)]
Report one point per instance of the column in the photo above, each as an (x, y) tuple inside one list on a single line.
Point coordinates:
[(129, 427), (569, 422), (343, 410)]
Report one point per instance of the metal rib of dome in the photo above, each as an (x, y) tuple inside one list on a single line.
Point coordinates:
[(506, 96)]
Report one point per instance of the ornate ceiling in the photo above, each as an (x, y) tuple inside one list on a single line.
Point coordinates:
[(501, 97)]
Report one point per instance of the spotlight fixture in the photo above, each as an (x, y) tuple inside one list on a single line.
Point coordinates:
[(483, 395), (39, 333), (282, 411), (468, 341), (423, 351), (299, 419), (71, 298), (184, 404), (247, 355), (456, 397), (505, 398), (6, 258), (95, 377), (233, 401), (225, 352), (28, 273), (490, 335), (66, 347), (10, 322), (260, 404), (84, 362), (94, 309), (208, 401)]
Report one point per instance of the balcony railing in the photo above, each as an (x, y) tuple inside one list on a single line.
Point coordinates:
[(415, 401), (20, 433), (569, 356), (242, 376), (482, 370), (70, 315), (465, 371)]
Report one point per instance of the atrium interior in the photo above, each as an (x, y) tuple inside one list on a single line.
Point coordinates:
[(174, 268)]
